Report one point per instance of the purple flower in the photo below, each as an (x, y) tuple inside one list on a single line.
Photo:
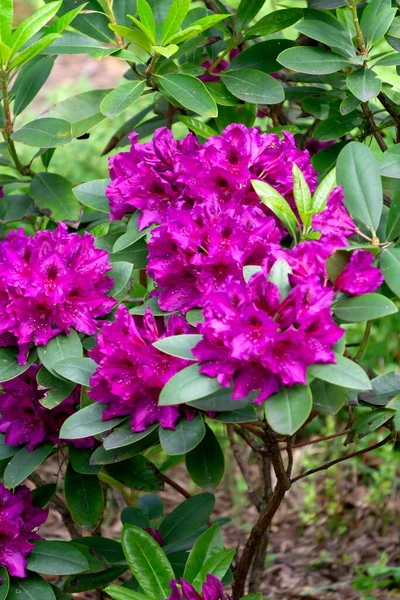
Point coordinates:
[(132, 372), (155, 534), (359, 276), (49, 283), (212, 589), (19, 520), (1, 192), (313, 146), (334, 219), (25, 421), (256, 342)]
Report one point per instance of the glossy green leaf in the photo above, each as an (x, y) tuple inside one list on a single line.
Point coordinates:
[(93, 194), (344, 373), (135, 36), (54, 197), (9, 366), (147, 562), (323, 191), (336, 126), (260, 56), (302, 196), (198, 127), (137, 473), (187, 385), (253, 86), (124, 436), (146, 16), (390, 266), (27, 29), (90, 581), (131, 235), (357, 172), (5, 586), (179, 345), (376, 20), (389, 163), (121, 273), (174, 18), (315, 61), (364, 308), (241, 415), (364, 84), (208, 544), (333, 36), (328, 399), (62, 23), (86, 422), (190, 92), (289, 409), (247, 10), (60, 348), (31, 588), (33, 50), (277, 203), (118, 592), (78, 370), (186, 518), (24, 463), (44, 133), (56, 558), (81, 460), (220, 94), (6, 22), (109, 549), (92, 23), (84, 497), (30, 80), (216, 565), (205, 463), (186, 436), (277, 20), (81, 111), (279, 275), (120, 99)]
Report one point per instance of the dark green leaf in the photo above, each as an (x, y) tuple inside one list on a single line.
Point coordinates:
[(205, 464), (364, 84), (311, 60), (59, 348), (220, 94), (327, 398), (90, 581), (121, 273), (190, 92), (80, 460), (376, 19), (92, 24), (325, 160), (261, 56), (24, 463), (44, 133), (109, 549), (152, 505), (29, 82), (247, 10), (131, 235), (349, 104), (243, 415), (53, 196), (42, 495), (106, 457), (289, 409), (221, 401), (93, 194), (389, 163), (5, 586), (253, 86), (120, 99), (336, 126), (186, 436), (78, 370), (334, 36), (147, 562), (135, 516), (81, 111), (31, 588), (9, 366), (186, 518), (384, 388), (119, 592), (345, 373), (369, 422), (56, 389), (357, 172), (390, 266), (84, 496), (275, 21), (187, 385), (86, 422), (364, 308), (56, 558), (174, 18), (137, 473), (124, 436)]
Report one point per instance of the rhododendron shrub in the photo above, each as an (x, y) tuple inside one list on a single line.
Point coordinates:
[(204, 292)]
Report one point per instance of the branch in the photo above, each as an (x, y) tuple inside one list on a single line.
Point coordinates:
[(392, 112), (322, 439), (176, 486), (364, 342), (343, 458), (370, 118), (242, 467)]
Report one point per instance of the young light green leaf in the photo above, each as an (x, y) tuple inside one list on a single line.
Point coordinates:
[(120, 99), (322, 192), (277, 203), (174, 18), (208, 544), (198, 127), (27, 29), (146, 16), (302, 195), (166, 51), (133, 35), (6, 21), (144, 29)]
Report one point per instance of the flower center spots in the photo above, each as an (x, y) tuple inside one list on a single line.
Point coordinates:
[(52, 272)]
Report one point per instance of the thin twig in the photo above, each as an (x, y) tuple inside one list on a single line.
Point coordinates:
[(176, 486), (242, 466), (372, 125), (289, 450), (343, 458), (322, 439)]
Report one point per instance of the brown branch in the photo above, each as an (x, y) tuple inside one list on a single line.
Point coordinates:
[(343, 458), (252, 429), (322, 439), (242, 467), (289, 450), (392, 112), (372, 125), (176, 486)]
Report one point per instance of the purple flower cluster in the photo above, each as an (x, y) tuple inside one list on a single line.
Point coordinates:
[(49, 283), (132, 372), (25, 421), (19, 520), (212, 589)]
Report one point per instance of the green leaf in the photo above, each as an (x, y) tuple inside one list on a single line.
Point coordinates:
[(242, 415), (56, 558), (174, 18), (390, 266), (364, 308), (42, 495), (109, 549), (325, 160), (56, 389), (60, 348), (279, 275), (9, 366), (120, 99), (261, 56), (217, 565), (81, 111), (134, 36), (78, 370), (345, 373), (180, 37), (186, 436), (5, 53), (62, 23), (187, 385), (302, 196), (6, 21), (179, 345), (33, 50), (118, 592), (5, 586), (393, 222), (131, 235), (253, 86), (81, 460), (277, 20), (93, 194), (24, 463), (137, 473), (369, 422), (84, 497), (121, 273), (31, 588), (277, 203), (208, 544), (332, 35), (323, 191), (221, 400), (147, 562), (27, 29), (357, 172), (186, 518), (166, 51), (315, 61), (247, 10), (124, 436), (336, 126), (86, 422), (54, 198), (44, 133), (146, 16), (384, 388), (389, 163), (190, 92), (328, 399), (220, 94), (106, 457), (7, 451), (29, 82), (198, 127), (364, 84), (205, 463), (376, 19), (289, 409), (348, 105), (90, 581)]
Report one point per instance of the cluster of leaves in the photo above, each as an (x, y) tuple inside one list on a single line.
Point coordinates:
[(330, 87)]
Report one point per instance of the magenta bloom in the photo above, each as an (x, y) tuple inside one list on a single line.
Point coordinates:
[(256, 342), (335, 219), (212, 589), (49, 283), (359, 276), (132, 372), (19, 521), (25, 421), (156, 535)]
